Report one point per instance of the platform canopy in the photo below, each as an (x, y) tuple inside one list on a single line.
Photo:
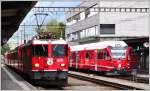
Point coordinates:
[(12, 14)]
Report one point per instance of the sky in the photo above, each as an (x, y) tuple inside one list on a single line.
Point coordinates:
[(30, 19)]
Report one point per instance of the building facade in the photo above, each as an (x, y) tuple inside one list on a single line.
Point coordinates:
[(114, 20)]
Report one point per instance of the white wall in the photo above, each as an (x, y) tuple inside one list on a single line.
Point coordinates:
[(127, 24)]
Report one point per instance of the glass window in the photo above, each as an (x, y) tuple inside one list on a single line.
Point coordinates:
[(107, 28), (40, 50), (123, 10), (92, 31), (143, 10), (128, 10), (59, 50), (87, 13), (99, 54), (107, 9), (112, 10), (102, 9), (117, 10), (118, 53), (133, 10), (96, 30), (106, 55), (87, 55), (129, 56), (138, 10)]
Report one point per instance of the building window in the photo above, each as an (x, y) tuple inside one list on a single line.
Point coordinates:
[(78, 35), (68, 36), (77, 17), (69, 20), (128, 10), (96, 30), (107, 28), (82, 33), (87, 13)]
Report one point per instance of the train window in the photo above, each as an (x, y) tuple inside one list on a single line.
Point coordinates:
[(87, 55), (106, 55), (73, 55), (41, 50), (129, 56), (99, 54), (59, 50)]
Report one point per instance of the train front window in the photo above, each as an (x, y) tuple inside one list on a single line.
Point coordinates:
[(59, 50), (40, 50), (118, 53)]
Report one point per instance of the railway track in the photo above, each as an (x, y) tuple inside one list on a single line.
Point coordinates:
[(137, 79), (77, 84), (90, 78), (125, 77)]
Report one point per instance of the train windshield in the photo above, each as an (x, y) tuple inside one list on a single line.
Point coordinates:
[(40, 50), (59, 50), (118, 53)]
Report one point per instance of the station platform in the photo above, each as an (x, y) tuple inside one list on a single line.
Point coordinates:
[(115, 80), (147, 76), (12, 81)]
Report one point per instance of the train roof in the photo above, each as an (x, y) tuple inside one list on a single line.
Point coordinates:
[(98, 45), (48, 41)]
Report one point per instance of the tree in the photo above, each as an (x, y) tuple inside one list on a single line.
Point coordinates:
[(55, 27), (5, 48)]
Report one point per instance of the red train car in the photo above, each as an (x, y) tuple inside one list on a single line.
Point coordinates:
[(41, 60), (108, 56)]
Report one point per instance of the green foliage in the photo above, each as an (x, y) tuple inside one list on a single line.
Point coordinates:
[(5, 48), (55, 27)]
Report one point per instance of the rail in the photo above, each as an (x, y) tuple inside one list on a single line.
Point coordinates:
[(117, 83)]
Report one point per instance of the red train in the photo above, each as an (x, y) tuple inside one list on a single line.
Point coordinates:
[(103, 57), (41, 60)]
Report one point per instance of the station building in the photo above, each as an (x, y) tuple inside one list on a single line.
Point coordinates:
[(126, 20)]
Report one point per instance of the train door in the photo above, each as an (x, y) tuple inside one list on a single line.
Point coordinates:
[(100, 60), (107, 59), (132, 59), (81, 59), (103, 60), (92, 60), (73, 59), (87, 58)]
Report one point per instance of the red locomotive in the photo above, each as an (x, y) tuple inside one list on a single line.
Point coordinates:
[(41, 60), (108, 56)]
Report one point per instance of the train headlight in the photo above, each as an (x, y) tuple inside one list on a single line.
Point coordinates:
[(36, 65), (62, 65), (119, 65), (49, 61)]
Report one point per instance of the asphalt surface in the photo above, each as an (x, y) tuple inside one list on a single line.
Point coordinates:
[(12, 81), (7, 83)]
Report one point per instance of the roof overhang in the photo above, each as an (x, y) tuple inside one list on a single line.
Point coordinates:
[(12, 14)]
